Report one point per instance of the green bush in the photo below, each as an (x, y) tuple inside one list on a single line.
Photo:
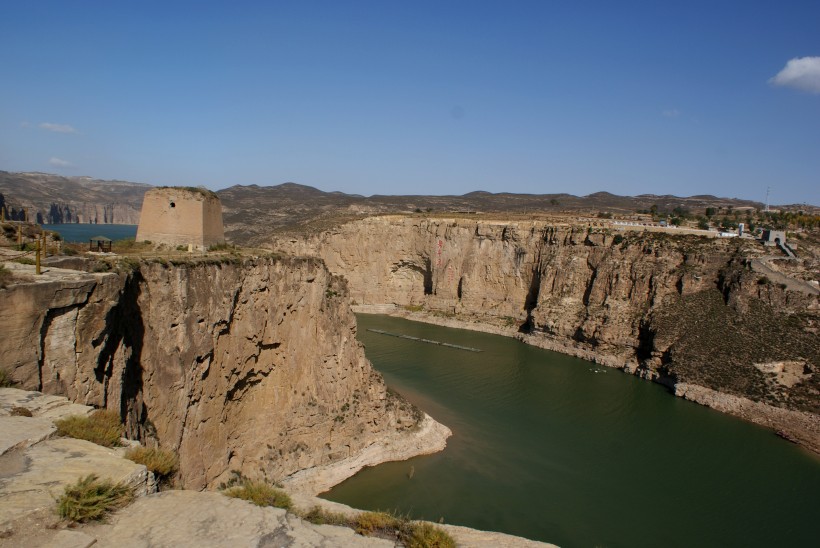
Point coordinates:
[(159, 461), (102, 427), (92, 499), (260, 493)]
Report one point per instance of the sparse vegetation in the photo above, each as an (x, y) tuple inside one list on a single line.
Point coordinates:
[(219, 247), (413, 307), (159, 461), (259, 493), (92, 499), (5, 276), (5, 379), (20, 412), (385, 525), (102, 427), (318, 516)]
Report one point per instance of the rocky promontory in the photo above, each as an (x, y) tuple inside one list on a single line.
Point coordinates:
[(246, 364)]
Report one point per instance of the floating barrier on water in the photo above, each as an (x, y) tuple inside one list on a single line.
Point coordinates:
[(400, 336)]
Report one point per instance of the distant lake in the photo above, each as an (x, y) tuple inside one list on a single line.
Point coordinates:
[(76, 232)]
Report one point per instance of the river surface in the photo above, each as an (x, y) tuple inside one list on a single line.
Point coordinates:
[(80, 232), (557, 449)]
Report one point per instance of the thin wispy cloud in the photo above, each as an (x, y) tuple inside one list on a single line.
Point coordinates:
[(671, 113), (802, 73), (57, 128), (59, 162)]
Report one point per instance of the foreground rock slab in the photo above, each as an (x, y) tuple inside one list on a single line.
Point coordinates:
[(33, 479), (205, 519)]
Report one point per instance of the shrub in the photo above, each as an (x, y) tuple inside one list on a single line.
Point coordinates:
[(618, 238), (102, 427), (379, 523), (159, 461), (92, 499), (427, 535), (260, 493), (318, 516), (219, 247), (20, 412), (25, 260)]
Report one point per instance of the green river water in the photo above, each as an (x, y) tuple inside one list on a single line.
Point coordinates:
[(558, 449)]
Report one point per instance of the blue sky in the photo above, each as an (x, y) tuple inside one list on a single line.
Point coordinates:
[(419, 97)]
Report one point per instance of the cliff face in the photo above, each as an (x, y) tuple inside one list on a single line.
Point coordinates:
[(54, 199), (671, 308), (252, 367)]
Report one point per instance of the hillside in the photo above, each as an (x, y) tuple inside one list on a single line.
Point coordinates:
[(53, 199)]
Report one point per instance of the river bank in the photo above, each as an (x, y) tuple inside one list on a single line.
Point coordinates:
[(795, 426), (428, 437)]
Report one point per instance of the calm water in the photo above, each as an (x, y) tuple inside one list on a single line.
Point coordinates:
[(76, 232), (546, 448)]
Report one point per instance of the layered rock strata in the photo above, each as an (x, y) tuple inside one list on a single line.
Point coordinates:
[(668, 307), (248, 365)]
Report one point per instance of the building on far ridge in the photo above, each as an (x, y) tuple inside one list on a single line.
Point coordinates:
[(181, 216), (774, 237)]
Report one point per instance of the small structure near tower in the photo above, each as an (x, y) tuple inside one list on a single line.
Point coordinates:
[(181, 216)]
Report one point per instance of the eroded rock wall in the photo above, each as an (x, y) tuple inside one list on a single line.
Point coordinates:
[(671, 308), (249, 365)]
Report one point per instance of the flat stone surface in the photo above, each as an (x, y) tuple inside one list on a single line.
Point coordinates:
[(65, 538), (40, 405), (209, 519), (21, 432), (39, 474)]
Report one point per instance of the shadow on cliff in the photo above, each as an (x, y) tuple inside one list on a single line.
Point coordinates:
[(121, 355)]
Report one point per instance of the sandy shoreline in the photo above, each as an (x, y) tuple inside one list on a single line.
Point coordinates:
[(430, 437), (797, 427)]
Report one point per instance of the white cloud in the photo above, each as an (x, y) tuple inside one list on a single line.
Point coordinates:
[(671, 113), (57, 162), (801, 73), (57, 128)]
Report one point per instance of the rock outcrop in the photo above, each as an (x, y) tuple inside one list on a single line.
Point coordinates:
[(656, 304), (248, 365)]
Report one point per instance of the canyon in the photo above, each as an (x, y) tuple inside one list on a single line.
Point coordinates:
[(685, 311), (246, 364)]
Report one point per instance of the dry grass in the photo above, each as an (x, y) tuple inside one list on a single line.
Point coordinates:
[(260, 493), (102, 427), (426, 535), (319, 516), (412, 534), (92, 499), (159, 461)]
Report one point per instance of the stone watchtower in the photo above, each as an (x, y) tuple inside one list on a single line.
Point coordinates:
[(181, 216)]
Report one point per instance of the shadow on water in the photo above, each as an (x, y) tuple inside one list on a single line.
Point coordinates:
[(547, 448)]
